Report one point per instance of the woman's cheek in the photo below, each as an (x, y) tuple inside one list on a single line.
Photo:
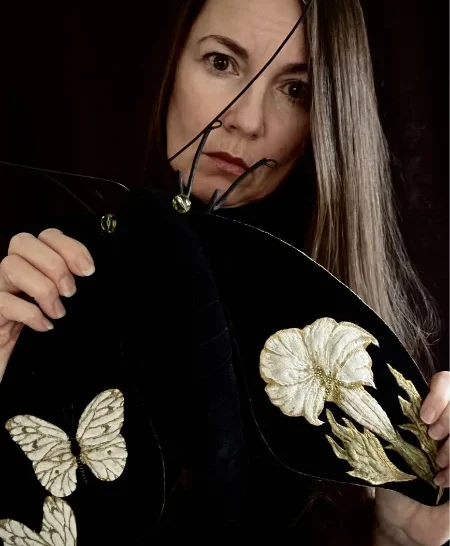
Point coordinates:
[(294, 136)]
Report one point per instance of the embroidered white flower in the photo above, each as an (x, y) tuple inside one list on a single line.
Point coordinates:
[(328, 362), (325, 362)]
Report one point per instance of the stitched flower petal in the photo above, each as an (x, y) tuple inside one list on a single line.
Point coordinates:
[(357, 369), (305, 399), (285, 358), (316, 337), (347, 356)]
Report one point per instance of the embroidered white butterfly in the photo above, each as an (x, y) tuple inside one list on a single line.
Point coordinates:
[(58, 527), (102, 448)]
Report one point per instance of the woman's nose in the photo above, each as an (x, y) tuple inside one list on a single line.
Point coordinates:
[(247, 115)]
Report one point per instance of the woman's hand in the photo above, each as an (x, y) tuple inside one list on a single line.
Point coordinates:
[(43, 269), (403, 521)]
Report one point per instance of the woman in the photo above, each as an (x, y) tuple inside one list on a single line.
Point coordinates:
[(315, 100)]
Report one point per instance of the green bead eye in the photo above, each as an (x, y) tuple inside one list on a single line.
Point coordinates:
[(181, 203)]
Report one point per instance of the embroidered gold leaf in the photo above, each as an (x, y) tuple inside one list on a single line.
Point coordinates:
[(364, 453), (415, 458), (440, 493), (411, 410)]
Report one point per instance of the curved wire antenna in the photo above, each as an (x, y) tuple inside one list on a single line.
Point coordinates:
[(181, 202), (214, 125), (216, 201), (251, 82)]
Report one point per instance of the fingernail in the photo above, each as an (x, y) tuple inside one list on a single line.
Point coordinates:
[(86, 266), (59, 309), (437, 432), (427, 415), (67, 286), (439, 480), (442, 460), (47, 324)]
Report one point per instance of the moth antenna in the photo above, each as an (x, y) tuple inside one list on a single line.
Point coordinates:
[(216, 201), (65, 417), (180, 182), (214, 125), (73, 420), (181, 202)]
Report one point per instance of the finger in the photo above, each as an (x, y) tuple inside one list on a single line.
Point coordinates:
[(440, 428), (437, 399), (46, 259), (5, 284), (32, 282), (442, 479), (13, 308), (75, 254), (443, 456)]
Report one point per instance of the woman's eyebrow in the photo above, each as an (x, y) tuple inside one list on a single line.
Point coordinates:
[(294, 68), (237, 49), (229, 43)]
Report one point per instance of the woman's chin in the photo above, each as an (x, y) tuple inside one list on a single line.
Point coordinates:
[(204, 190), (206, 197), (233, 201), (237, 198)]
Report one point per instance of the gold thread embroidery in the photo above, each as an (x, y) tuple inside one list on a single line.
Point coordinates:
[(364, 453), (58, 527), (327, 361), (411, 410)]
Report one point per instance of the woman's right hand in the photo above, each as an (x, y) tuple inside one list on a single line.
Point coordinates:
[(42, 268)]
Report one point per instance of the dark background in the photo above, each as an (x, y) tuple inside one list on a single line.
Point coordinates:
[(76, 85)]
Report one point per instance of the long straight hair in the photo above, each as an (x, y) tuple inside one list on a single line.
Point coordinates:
[(356, 234), (354, 231)]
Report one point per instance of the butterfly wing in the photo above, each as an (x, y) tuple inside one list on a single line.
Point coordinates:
[(49, 449), (102, 447), (13, 533), (58, 527), (58, 524)]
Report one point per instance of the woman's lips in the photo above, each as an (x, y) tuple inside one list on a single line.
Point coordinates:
[(228, 163)]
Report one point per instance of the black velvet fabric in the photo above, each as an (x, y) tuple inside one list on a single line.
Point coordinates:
[(175, 317), (274, 286), (150, 324)]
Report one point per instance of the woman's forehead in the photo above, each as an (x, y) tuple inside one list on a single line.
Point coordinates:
[(258, 25)]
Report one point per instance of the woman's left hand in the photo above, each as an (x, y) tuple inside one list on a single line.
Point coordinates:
[(402, 520)]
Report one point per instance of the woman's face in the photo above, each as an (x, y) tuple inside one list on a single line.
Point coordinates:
[(228, 44)]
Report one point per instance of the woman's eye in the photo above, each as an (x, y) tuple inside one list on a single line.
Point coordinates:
[(298, 92), (220, 62), (295, 90)]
